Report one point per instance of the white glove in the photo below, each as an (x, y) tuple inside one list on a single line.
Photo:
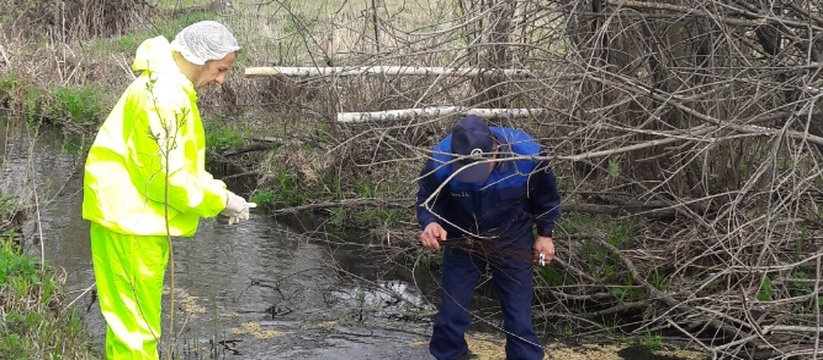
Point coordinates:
[(237, 208), (234, 205), (244, 214)]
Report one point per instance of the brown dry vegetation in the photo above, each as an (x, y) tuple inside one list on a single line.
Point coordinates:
[(685, 134)]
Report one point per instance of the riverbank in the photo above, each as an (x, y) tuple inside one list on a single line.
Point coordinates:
[(37, 320)]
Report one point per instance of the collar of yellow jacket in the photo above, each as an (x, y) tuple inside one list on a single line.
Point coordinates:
[(155, 55)]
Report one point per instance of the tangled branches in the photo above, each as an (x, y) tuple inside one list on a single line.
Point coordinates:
[(693, 125), (705, 109)]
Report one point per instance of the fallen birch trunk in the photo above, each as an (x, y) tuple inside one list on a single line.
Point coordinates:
[(408, 114), (386, 71)]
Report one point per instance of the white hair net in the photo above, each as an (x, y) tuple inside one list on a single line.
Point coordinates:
[(204, 41)]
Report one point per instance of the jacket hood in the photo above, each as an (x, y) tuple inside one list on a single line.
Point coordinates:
[(155, 55)]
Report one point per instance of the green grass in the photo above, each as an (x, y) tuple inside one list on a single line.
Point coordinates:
[(288, 188), (766, 291), (652, 341), (81, 102), (221, 137), (263, 197), (553, 277), (33, 324)]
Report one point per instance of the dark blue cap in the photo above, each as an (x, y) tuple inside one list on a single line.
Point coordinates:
[(472, 137)]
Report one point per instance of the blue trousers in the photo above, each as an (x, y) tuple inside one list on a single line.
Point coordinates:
[(513, 280)]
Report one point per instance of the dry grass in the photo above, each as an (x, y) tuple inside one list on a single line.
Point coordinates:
[(488, 347)]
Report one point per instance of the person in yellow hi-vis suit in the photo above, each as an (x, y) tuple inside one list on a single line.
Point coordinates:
[(145, 178)]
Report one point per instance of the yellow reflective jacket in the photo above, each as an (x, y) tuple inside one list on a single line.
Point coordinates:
[(154, 127)]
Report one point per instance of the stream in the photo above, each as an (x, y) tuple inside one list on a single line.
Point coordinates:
[(253, 290)]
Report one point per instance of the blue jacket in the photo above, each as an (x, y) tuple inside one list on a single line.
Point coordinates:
[(517, 195)]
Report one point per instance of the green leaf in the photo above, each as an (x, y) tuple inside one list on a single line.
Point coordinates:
[(614, 167), (766, 291)]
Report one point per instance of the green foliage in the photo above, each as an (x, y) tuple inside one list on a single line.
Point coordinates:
[(263, 197), (221, 137), (595, 255), (287, 189), (627, 292), (290, 25), (125, 44), (8, 83), (16, 272), (74, 144), (358, 216), (613, 324), (391, 217), (12, 345), (36, 102), (369, 217), (600, 260), (425, 260), (19, 94), (552, 277), (766, 292), (657, 280), (81, 102), (30, 325), (337, 216), (614, 167), (799, 287), (619, 234), (652, 341), (7, 206), (129, 43), (11, 237), (567, 329), (366, 189)]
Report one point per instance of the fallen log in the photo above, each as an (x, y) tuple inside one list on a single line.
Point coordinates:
[(435, 111), (310, 71)]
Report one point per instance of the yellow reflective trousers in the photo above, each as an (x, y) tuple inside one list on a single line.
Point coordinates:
[(129, 270)]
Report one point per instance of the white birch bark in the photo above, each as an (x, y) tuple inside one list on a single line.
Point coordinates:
[(433, 112), (385, 71)]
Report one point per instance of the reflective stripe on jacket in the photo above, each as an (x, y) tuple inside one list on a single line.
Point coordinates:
[(155, 126), (517, 194)]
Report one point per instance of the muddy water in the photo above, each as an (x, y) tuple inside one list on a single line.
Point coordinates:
[(255, 290)]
